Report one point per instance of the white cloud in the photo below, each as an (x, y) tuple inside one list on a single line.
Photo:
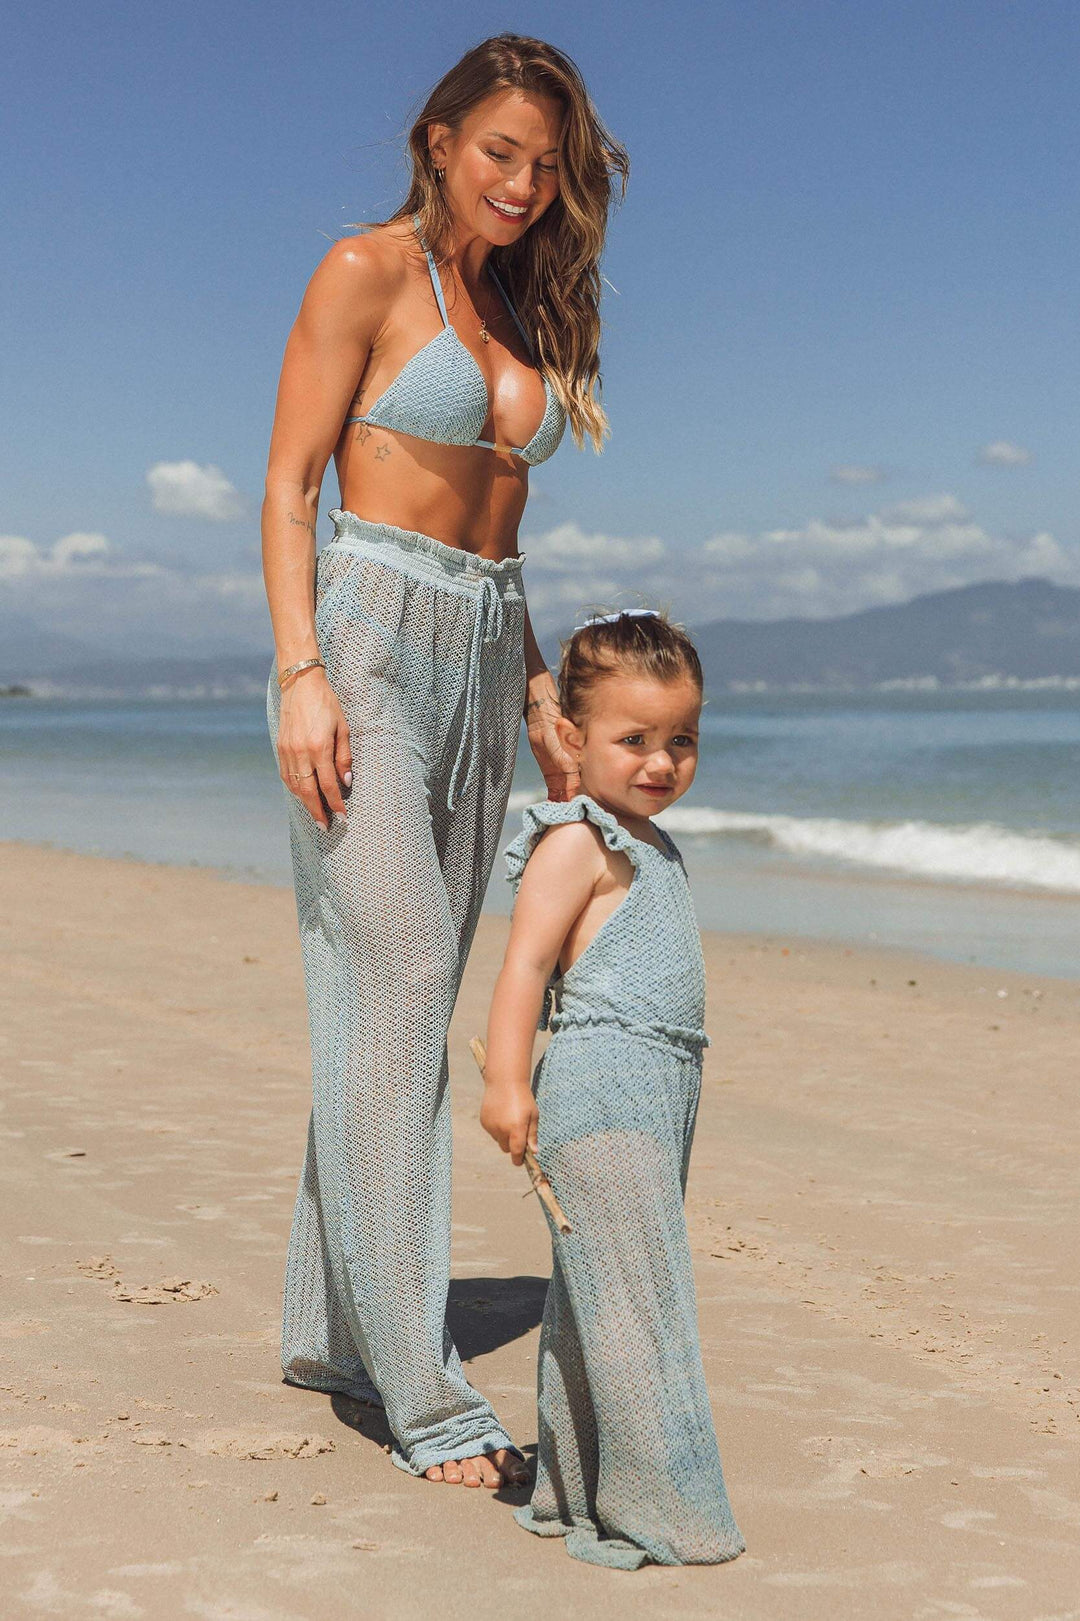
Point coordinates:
[(900, 551), (17, 556), (80, 548), (1001, 453), (82, 585), (567, 544), (816, 569), (569, 570), (184, 489), (850, 474), (730, 546), (244, 589), (929, 509), (77, 556)]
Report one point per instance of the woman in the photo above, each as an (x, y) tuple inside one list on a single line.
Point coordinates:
[(438, 357)]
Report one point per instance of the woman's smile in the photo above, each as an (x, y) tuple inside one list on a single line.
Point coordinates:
[(505, 210)]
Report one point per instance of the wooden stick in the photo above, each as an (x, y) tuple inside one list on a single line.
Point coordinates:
[(541, 1186)]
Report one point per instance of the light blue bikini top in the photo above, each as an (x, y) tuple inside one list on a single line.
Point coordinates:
[(440, 394)]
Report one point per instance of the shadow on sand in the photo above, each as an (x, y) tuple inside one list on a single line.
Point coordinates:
[(482, 1315)]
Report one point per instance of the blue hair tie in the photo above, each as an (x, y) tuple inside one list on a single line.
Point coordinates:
[(609, 619)]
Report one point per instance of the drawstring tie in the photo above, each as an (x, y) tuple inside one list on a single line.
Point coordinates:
[(487, 627)]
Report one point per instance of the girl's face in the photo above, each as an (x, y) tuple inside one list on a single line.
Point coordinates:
[(502, 165), (637, 744)]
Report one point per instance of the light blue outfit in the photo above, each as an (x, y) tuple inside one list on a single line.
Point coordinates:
[(423, 645), (424, 648), (441, 395), (628, 1467)]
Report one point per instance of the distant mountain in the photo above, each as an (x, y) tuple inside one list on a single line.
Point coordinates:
[(26, 650), (1027, 630), (233, 675)]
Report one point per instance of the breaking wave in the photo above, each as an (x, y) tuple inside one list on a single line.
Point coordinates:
[(976, 852)]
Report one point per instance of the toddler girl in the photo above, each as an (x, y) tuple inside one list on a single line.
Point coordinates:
[(605, 944)]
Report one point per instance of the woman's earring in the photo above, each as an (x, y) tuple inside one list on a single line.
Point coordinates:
[(439, 173)]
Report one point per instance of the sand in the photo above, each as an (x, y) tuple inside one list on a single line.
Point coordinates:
[(883, 1210)]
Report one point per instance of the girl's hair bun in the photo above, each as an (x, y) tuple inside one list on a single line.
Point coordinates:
[(630, 641)]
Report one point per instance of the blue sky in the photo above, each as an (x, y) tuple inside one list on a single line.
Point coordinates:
[(840, 365)]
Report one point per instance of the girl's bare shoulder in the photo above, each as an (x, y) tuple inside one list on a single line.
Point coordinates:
[(578, 845)]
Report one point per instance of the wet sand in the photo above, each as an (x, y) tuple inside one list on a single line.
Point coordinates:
[(883, 1209)]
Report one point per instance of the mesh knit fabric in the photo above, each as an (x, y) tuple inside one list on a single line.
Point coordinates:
[(628, 1467), (423, 645), (440, 393)]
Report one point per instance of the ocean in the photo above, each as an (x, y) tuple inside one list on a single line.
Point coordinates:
[(943, 822)]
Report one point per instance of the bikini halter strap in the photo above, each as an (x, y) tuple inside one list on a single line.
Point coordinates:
[(437, 285), (506, 300), (432, 272)]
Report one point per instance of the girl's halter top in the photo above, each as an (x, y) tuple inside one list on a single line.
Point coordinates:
[(643, 969), (440, 394)]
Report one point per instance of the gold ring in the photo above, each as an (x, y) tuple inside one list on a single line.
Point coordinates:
[(301, 776)]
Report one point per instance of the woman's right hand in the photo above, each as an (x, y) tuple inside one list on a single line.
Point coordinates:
[(314, 755)]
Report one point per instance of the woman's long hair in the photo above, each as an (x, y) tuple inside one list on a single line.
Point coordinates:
[(553, 272)]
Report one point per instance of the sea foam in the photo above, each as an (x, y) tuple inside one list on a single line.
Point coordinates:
[(971, 852), (975, 852)]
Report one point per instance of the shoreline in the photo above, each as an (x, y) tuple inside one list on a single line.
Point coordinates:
[(45, 689), (849, 944), (882, 1212)]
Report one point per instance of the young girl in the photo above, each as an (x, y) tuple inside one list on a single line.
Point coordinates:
[(604, 941)]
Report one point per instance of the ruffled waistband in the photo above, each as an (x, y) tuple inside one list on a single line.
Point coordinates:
[(677, 1035), (450, 560)]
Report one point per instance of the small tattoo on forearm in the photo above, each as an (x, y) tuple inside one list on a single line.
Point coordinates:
[(302, 523)]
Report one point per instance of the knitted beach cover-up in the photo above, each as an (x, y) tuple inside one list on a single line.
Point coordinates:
[(628, 1468)]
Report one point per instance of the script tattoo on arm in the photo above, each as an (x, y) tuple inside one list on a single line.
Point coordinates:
[(302, 523)]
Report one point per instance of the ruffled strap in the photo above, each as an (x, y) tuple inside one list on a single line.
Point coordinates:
[(535, 820)]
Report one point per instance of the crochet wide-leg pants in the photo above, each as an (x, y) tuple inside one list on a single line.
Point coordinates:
[(628, 1468), (424, 648)]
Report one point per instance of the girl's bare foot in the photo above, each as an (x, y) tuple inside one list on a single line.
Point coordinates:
[(491, 1469)]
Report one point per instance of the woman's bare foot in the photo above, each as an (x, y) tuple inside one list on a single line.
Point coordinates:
[(491, 1469)]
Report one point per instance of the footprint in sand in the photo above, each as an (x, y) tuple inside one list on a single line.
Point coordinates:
[(850, 1459), (146, 1294), (98, 1266), (203, 1212), (258, 1445), (161, 1294), (41, 1440)]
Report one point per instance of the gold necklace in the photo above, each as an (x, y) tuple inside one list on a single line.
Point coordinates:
[(485, 335)]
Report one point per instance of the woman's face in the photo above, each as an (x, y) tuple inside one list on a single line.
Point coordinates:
[(502, 164)]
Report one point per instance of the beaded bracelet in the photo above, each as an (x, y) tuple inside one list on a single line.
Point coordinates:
[(294, 669)]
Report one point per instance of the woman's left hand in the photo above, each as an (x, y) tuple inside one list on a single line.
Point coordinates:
[(557, 765)]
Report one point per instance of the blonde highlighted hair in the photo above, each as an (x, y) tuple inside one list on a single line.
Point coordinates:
[(553, 272)]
